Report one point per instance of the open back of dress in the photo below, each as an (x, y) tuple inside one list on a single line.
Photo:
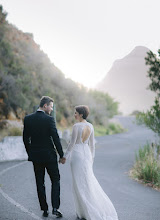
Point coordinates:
[(86, 132)]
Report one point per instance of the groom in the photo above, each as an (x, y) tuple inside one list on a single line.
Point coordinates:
[(41, 141)]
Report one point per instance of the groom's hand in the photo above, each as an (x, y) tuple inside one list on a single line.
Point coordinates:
[(62, 160)]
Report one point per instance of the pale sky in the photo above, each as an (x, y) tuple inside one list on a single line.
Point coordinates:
[(84, 37)]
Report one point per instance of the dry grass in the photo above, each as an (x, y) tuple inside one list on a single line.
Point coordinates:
[(10, 128), (147, 166)]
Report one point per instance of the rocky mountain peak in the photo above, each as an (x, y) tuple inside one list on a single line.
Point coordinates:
[(127, 82)]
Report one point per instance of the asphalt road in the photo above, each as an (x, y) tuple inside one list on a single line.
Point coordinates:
[(114, 157)]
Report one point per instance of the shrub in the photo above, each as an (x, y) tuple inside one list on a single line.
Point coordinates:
[(15, 131), (115, 128), (147, 165), (108, 130)]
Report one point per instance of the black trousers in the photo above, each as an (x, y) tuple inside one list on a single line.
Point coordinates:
[(53, 172)]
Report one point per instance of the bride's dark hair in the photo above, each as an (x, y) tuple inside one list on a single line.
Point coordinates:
[(82, 109)]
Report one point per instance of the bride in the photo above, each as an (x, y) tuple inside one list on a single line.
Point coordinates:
[(91, 202)]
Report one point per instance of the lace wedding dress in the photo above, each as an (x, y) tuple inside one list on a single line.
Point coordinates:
[(91, 202)]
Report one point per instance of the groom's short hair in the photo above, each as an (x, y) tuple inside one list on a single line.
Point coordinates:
[(45, 100)]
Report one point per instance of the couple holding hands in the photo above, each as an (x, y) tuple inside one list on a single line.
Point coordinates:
[(42, 144)]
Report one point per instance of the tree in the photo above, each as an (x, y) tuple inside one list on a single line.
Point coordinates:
[(154, 71), (152, 117), (3, 15)]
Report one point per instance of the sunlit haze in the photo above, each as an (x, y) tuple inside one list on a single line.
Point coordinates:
[(84, 38)]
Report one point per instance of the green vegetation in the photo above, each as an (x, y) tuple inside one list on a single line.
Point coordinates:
[(15, 131), (147, 165), (3, 133), (152, 117), (110, 129), (11, 131), (10, 128), (26, 74)]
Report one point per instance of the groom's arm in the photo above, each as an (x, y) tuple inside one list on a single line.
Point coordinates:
[(55, 137), (26, 137)]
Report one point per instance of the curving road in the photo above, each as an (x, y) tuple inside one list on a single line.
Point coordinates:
[(114, 158)]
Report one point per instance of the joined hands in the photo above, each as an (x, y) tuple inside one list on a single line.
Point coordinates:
[(62, 160)]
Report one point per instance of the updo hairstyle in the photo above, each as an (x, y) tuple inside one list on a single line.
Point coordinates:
[(82, 109)]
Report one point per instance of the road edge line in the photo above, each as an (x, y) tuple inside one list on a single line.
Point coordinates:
[(12, 201)]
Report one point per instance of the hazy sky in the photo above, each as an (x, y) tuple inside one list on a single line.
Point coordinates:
[(84, 37)]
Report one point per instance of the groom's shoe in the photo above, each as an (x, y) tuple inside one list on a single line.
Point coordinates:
[(45, 213), (57, 213)]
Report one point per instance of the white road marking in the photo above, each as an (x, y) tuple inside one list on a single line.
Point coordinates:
[(12, 201), (9, 168)]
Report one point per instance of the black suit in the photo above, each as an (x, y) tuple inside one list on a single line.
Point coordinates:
[(39, 137)]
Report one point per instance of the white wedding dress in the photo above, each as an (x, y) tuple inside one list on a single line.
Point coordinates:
[(91, 202)]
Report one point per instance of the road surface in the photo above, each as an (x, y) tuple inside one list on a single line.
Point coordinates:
[(114, 158)]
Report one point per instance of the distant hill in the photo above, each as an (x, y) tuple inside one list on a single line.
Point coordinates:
[(26, 74), (127, 82)]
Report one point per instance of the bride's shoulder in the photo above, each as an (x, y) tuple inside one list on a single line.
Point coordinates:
[(75, 125), (82, 124), (89, 124)]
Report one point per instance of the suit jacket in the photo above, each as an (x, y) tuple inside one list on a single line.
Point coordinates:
[(40, 138)]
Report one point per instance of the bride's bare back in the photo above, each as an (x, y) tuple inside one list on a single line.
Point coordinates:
[(86, 133)]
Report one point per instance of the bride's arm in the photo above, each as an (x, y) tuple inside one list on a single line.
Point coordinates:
[(92, 143), (72, 141)]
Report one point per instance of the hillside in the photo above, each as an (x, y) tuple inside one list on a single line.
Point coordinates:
[(127, 82), (26, 74)]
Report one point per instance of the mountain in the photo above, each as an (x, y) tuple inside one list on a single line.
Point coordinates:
[(27, 74), (127, 82)]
